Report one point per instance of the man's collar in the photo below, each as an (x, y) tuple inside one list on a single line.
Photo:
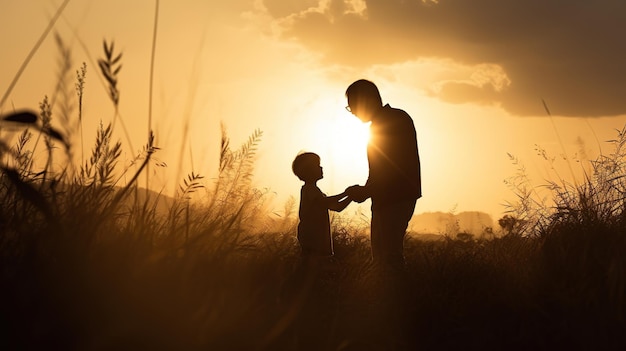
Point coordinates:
[(385, 107)]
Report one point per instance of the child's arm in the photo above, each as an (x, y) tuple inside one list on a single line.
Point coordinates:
[(338, 202)]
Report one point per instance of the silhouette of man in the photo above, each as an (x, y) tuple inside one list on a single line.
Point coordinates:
[(394, 181)]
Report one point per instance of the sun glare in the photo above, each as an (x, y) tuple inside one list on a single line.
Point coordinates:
[(342, 144), (349, 135)]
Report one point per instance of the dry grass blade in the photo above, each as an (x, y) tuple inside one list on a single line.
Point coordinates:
[(149, 150), (110, 68), (191, 184), (32, 52), (80, 90), (24, 117), (30, 194)]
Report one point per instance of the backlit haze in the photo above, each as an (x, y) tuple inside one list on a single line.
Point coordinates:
[(472, 74)]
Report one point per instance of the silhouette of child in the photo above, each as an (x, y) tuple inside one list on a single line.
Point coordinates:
[(314, 227)]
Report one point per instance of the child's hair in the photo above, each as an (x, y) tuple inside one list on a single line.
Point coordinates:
[(303, 163)]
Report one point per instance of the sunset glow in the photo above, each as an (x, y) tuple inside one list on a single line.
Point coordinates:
[(185, 175), (276, 67), (343, 138)]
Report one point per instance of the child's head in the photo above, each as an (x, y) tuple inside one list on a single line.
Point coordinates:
[(307, 166)]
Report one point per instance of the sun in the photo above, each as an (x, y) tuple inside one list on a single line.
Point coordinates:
[(348, 136), (342, 144)]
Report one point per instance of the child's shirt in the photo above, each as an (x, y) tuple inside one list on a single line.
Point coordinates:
[(314, 227)]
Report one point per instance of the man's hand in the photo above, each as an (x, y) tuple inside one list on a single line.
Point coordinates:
[(357, 193)]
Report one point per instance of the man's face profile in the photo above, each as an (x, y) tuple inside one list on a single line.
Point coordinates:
[(359, 108)]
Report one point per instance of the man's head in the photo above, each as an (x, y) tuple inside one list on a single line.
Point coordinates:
[(306, 166), (363, 99)]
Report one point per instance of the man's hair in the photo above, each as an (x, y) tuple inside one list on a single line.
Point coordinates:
[(364, 90), (303, 164)]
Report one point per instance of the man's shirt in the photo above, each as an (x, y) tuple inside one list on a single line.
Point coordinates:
[(392, 153)]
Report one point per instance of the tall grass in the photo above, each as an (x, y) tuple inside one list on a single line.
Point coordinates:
[(89, 261)]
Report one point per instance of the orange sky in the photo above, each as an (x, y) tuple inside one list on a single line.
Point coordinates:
[(471, 76)]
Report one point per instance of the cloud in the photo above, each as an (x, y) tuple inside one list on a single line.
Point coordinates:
[(572, 54)]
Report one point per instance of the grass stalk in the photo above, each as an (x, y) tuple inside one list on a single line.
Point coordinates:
[(32, 52), (151, 80)]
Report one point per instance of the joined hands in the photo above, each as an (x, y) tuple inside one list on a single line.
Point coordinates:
[(357, 193)]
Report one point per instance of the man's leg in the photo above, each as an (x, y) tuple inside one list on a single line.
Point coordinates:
[(389, 225), (376, 235)]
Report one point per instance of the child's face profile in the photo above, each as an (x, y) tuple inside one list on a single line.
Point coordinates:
[(317, 171)]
